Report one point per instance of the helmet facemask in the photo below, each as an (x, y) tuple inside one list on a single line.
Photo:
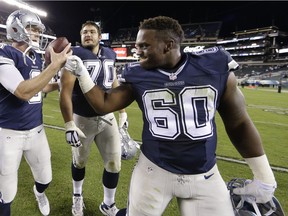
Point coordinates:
[(245, 205), (129, 147)]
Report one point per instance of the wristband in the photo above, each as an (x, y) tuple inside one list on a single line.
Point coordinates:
[(86, 83), (261, 169)]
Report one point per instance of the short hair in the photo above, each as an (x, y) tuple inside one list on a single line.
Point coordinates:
[(168, 25), (93, 23)]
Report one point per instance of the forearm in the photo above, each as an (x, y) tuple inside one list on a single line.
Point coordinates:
[(51, 87), (96, 98), (246, 139), (102, 102), (94, 94), (248, 142), (66, 108), (28, 88)]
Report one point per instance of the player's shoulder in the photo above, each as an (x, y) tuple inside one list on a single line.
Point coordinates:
[(82, 52), (133, 65), (8, 53), (107, 52), (208, 51), (7, 48), (214, 53), (133, 72), (77, 49), (133, 69)]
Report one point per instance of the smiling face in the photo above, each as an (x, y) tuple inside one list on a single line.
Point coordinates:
[(90, 36), (151, 49)]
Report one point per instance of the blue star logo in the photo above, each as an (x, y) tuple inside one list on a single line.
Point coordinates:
[(18, 15)]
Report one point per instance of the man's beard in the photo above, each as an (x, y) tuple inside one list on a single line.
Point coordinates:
[(89, 47)]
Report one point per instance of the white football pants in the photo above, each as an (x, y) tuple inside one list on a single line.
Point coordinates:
[(152, 188), (34, 146), (103, 130)]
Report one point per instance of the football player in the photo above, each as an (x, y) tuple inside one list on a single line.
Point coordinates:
[(84, 125), (179, 94), (21, 122)]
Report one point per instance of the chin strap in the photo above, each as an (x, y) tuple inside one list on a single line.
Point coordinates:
[(25, 53)]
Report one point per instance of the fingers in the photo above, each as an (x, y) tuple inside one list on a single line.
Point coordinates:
[(51, 50), (68, 50)]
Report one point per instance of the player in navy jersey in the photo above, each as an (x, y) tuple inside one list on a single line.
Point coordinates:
[(179, 94), (84, 125), (21, 122)]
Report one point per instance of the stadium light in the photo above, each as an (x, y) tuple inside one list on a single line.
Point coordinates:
[(23, 5)]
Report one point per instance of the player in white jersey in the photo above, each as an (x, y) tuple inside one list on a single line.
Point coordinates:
[(82, 121), (22, 79), (179, 94)]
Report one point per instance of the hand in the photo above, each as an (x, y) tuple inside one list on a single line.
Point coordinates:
[(60, 58), (73, 133), (75, 65), (123, 120), (256, 191)]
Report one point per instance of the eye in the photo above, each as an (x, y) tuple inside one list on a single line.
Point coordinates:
[(141, 46)]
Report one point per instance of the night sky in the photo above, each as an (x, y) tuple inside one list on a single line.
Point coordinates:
[(66, 17)]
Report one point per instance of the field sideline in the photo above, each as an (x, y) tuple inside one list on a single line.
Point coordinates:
[(268, 109)]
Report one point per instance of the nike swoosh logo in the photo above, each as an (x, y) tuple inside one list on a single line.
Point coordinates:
[(208, 176), (39, 131)]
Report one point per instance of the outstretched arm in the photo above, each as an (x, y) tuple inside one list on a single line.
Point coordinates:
[(28, 88), (102, 102), (123, 117), (111, 101)]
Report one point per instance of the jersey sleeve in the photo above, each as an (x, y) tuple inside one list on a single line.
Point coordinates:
[(232, 64), (10, 77)]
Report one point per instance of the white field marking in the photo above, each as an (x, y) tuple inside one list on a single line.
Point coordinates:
[(54, 127), (48, 116), (267, 107), (280, 169), (272, 123)]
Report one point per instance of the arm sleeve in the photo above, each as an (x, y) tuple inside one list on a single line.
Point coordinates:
[(10, 77)]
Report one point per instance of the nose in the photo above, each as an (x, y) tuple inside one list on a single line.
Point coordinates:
[(138, 51)]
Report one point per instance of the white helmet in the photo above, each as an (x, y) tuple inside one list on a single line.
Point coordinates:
[(17, 23), (128, 146), (243, 207)]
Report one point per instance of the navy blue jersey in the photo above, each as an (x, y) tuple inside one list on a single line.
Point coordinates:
[(179, 132), (101, 70), (15, 113)]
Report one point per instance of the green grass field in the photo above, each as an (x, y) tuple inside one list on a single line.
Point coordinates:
[(268, 109)]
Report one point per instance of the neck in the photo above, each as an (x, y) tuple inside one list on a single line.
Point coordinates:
[(96, 49), (175, 62), (20, 45)]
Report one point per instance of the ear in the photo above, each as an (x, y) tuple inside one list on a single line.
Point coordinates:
[(169, 45)]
